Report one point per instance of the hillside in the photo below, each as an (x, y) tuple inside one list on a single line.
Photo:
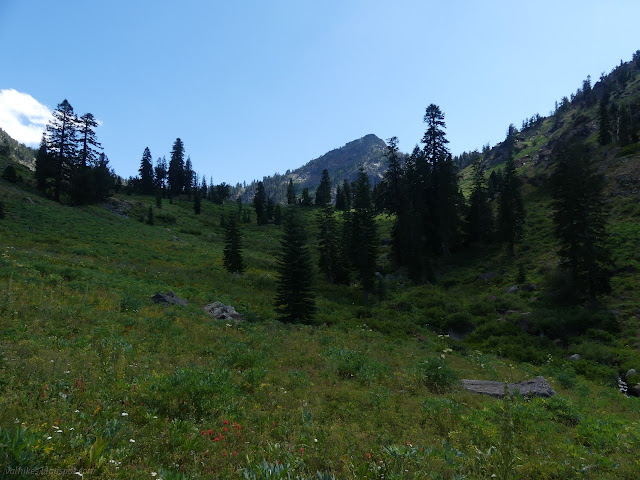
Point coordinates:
[(95, 375), (343, 162), (15, 151)]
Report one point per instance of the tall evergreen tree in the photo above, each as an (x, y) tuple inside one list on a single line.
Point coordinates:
[(61, 144), (295, 300), (511, 211), (270, 207), (341, 199), (176, 168), (105, 178), (348, 197), (604, 130), (189, 175), (146, 173), (479, 217), (323, 193), (291, 194), (277, 215), (161, 170), (260, 204), (393, 177), (305, 199), (364, 234), (197, 202), (89, 146), (330, 261), (580, 220), (232, 253), (45, 166)]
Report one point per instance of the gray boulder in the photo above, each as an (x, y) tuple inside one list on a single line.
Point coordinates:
[(575, 357), (512, 289), (169, 298), (223, 312), (631, 371), (537, 387), (634, 390)]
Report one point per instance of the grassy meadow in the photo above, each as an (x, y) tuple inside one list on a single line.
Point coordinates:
[(95, 376)]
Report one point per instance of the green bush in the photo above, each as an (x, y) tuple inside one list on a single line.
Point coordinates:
[(435, 374), (460, 322), (352, 364)]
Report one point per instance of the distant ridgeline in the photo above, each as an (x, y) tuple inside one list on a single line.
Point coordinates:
[(369, 151)]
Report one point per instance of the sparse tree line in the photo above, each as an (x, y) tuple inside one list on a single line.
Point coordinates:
[(70, 163), (175, 179)]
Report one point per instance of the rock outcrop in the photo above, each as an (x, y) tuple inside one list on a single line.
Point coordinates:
[(537, 387)]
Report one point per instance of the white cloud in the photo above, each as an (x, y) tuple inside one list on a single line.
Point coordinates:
[(23, 117)]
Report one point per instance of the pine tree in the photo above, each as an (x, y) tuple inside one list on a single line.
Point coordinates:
[(105, 178), (341, 199), (480, 217), (277, 215), (176, 168), (323, 193), (146, 173), (197, 202), (511, 211), (604, 131), (158, 198), (188, 177), (291, 194), (89, 146), (392, 180), (61, 144), (348, 197), (330, 260), (232, 253), (161, 171), (305, 200), (580, 220), (44, 166), (364, 234), (270, 206), (295, 300), (260, 204)]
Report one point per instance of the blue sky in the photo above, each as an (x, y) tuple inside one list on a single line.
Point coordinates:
[(254, 88)]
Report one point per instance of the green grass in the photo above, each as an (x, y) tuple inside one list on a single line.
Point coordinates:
[(94, 375)]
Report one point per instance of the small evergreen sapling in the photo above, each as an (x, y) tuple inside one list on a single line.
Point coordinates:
[(232, 253)]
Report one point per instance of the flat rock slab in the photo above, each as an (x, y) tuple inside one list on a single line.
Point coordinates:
[(169, 298), (538, 387)]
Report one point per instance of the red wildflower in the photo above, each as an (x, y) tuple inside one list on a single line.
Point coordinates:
[(226, 422), (368, 455), (224, 453), (225, 429), (203, 432), (301, 450), (235, 454), (210, 432), (216, 439)]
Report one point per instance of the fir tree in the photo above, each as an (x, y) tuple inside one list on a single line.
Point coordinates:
[(146, 173), (479, 218), (61, 143), (161, 171), (270, 207), (105, 179), (323, 193), (89, 146), (188, 177), (197, 202), (392, 180), (346, 189), (176, 168), (305, 200), (150, 216), (511, 211), (44, 165), (232, 253), (277, 215), (260, 204), (604, 130), (341, 199), (364, 235), (330, 260), (291, 194), (158, 198), (580, 220), (295, 301)]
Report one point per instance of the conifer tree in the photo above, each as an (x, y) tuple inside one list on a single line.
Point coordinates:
[(188, 177), (341, 199), (232, 253), (105, 178), (150, 216), (323, 193), (44, 166), (197, 202), (580, 220), (479, 217), (146, 173), (346, 189), (364, 234), (260, 204), (511, 211), (270, 207), (158, 198), (89, 146), (291, 194), (161, 171), (393, 178), (330, 259), (305, 200), (176, 168), (277, 215), (295, 300), (61, 144), (604, 131)]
